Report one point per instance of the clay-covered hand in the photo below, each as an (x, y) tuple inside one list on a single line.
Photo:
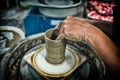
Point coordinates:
[(74, 29)]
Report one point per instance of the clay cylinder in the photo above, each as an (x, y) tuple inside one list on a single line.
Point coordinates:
[(55, 49)]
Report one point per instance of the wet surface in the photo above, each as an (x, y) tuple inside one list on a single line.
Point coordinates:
[(11, 62)]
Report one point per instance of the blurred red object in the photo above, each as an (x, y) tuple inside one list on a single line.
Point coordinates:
[(94, 15), (101, 10)]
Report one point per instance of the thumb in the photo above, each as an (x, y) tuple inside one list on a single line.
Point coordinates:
[(60, 36)]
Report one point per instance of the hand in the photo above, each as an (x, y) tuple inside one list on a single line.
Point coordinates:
[(77, 29), (74, 29)]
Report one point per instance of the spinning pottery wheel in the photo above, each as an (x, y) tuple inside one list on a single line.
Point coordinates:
[(13, 66)]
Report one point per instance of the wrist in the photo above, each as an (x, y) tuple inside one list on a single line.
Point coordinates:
[(92, 34)]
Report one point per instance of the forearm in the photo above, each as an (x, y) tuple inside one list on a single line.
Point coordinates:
[(106, 49), (77, 29)]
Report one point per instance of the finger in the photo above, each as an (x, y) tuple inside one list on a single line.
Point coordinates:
[(61, 31), (59, 25), (69, 17), (60, 36)]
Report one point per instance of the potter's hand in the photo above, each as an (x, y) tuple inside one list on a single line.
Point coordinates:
[(74, 29), (77, 29)]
